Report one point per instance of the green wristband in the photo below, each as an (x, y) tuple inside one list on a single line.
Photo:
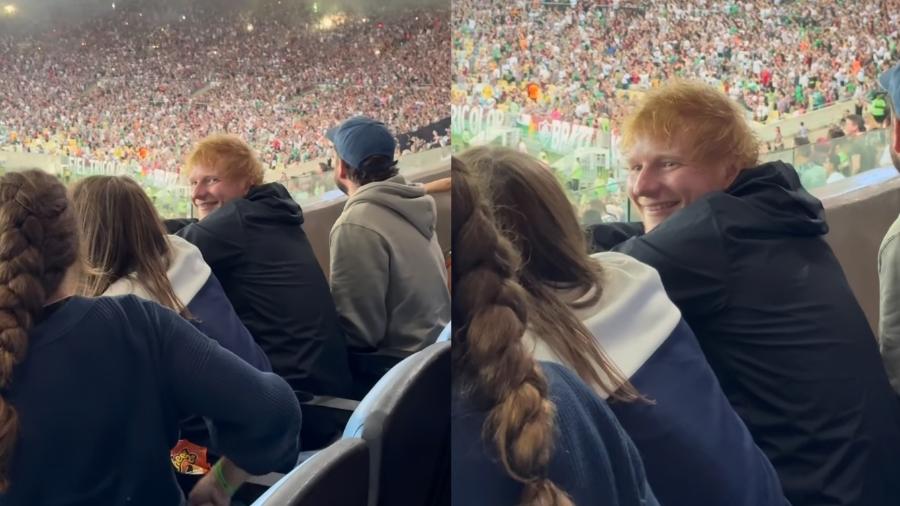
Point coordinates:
[(220, 478)]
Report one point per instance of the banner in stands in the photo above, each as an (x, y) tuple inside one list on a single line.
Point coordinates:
[(426, 133), (474, 122), (85, 167)]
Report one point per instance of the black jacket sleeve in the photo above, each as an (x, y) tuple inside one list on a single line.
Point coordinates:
[(219, 237), (605, 236), (174, 225), (689, 253), (253, 416)]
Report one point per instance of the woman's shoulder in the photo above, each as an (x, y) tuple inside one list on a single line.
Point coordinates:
[(568, 390), (630, 287), (126, 315), (187, 272), (622, 269), (130, 307), (593, 458), (592, 443), (578, 407)]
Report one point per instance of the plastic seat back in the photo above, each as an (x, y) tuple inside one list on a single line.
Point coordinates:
[(336, 476), (405, 421)]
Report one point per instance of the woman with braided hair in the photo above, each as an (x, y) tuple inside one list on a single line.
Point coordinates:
[(92, 390), (607, 318), (522, 433)]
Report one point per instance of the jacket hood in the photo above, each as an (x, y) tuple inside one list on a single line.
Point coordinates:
[(272, 201), (774, 191), (629, 287), (187, 273), (406, 200)]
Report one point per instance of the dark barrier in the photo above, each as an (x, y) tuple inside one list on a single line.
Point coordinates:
[(425, 133)]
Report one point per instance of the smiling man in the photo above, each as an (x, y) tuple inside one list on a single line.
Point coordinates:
[(251, 235), (222, 168), (740, 249)]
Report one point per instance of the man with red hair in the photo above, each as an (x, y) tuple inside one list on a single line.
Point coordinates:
[(251, 235), (741, 251)]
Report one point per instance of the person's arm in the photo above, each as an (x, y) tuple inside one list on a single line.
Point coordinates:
[(889, 307), (176, 224), (214, 316), (218, 485), (438, 186), (359, 282), (253, 417)]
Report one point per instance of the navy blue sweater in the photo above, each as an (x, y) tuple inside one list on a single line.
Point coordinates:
[(214, 316), (100, 393), (691, 423), (594, 461)]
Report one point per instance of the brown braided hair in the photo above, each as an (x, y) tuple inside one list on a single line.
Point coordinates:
[(38, 244), (492, 368)]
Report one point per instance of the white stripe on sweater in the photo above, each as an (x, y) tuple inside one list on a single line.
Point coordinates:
[(631, 320), (188, 272)]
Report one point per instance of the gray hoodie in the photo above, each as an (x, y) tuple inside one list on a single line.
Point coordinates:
[(388, 275)]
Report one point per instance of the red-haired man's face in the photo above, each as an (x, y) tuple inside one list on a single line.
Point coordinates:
[(663, 179), (210, 190)]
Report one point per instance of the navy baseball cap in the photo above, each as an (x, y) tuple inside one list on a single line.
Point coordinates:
[(890, 81), (359, 138)]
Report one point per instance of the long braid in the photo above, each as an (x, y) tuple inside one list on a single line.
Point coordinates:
[(491, 364), (37, 246)]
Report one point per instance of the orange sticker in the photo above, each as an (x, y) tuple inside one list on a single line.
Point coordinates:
[(188, 458)]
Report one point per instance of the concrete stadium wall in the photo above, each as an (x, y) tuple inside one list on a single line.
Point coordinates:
[(15, 160), (814, 120), (859, 211)]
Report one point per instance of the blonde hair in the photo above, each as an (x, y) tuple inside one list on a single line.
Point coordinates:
[(696, 115), (38, 244), (491, 365), (229, 155), (122, 234)]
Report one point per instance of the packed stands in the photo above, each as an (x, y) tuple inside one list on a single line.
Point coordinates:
[(143, 81), (577, 60), (556, 79)]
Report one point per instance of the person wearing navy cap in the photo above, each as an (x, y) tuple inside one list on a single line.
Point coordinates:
[(889, 252), (388, 276)]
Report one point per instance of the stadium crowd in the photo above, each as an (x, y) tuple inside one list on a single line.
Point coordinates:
[(136, 85), (573, 60)]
